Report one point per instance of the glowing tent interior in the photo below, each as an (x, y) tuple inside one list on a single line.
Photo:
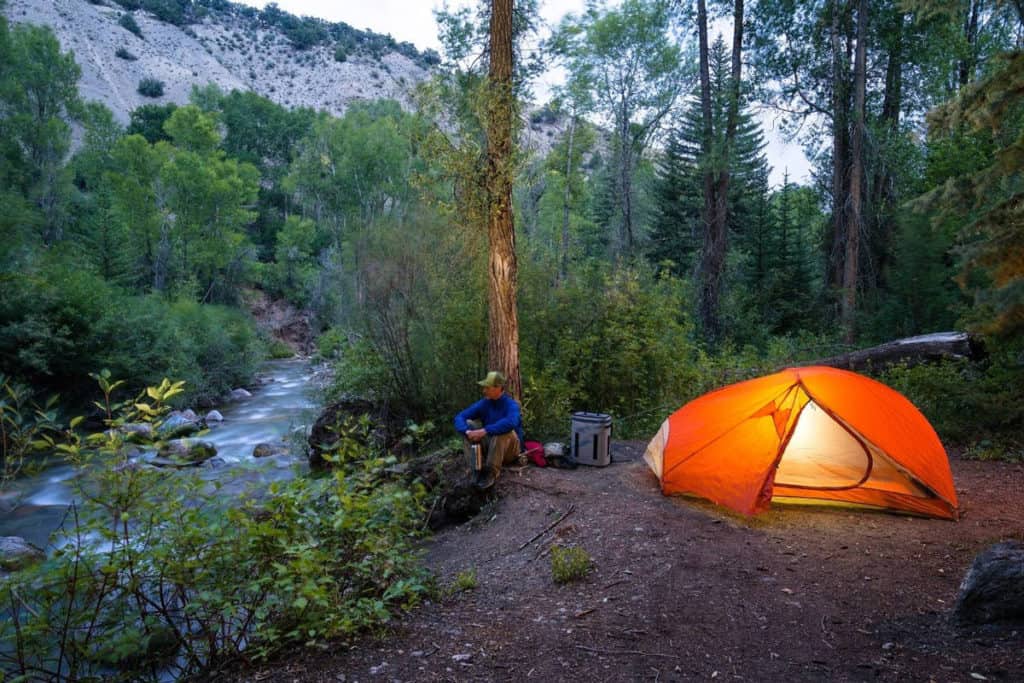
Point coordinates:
[(805, 433)]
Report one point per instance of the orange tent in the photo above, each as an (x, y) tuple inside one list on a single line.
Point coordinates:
[(814, 432)]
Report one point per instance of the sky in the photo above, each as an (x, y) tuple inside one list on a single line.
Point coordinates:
[(413, 21)]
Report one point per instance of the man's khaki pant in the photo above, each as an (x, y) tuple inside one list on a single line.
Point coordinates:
[(496, 450)]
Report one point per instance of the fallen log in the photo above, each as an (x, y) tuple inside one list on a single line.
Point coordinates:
[(910, 351)]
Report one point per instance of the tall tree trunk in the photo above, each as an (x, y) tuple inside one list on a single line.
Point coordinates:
[(713, 250), (503, 321), (855, 224), (563, 271), (883, 192), (717, 175), (840, 150), (965, 69), (626, 182)]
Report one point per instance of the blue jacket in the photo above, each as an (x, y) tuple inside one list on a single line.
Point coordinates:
[(498, 417)]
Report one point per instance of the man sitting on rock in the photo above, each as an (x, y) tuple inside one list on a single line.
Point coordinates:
[(494, 423)]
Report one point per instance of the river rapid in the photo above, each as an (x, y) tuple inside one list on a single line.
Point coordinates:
[(280, 409)]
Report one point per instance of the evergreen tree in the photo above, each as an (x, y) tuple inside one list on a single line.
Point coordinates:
[(677, 233)]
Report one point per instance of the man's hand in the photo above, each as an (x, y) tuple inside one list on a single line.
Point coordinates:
[(476, 435)]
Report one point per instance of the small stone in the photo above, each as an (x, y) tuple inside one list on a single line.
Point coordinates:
[(888, 646), (379, 669), (462, 658), (17, 553)]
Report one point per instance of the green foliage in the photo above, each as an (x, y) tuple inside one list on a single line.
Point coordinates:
[(971, 404), (163, 572), (330, 343), (123, 53), (127, 22), (177, 12), (148, 121), (359, 370), (59, 323), (278, 349), (151, 87), (569, 564), (465, 581), (616, 342), (986, 196), (38, 98), (26, 428)]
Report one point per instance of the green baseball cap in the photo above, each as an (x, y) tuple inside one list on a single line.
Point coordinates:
[(493, 379)]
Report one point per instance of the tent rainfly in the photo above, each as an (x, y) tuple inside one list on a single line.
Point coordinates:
[(805, 433)]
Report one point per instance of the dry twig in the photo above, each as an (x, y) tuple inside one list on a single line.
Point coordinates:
[(549, 527), (625, 652)]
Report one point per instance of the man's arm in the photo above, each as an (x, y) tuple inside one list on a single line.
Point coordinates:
[(473, 412), (509, 421)]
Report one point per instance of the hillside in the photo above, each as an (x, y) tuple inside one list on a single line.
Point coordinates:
[(234, 47)]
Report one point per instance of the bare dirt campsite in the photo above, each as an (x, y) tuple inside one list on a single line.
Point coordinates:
[(684, 590)]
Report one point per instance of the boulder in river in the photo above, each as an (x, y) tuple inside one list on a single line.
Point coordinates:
[(184, 453), (17, 553), (265, 450), (177, 425), (237, 394), (214, 416), (138, 432)]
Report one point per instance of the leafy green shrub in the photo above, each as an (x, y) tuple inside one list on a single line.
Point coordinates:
[(360, 370), (58, 324), (465, 581), (969, 403), (26, 428), (278, 349), (151, 87), (331, 342), (617, 342), (127, 21), (340, 54), (125, 54), (163, 572), (569, 564)]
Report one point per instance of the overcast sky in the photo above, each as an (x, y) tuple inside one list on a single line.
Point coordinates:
[(413, 21)]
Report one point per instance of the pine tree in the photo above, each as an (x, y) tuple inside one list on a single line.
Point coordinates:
[(677, 234)]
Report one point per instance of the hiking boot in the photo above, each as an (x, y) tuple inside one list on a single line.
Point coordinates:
[(484, 479)]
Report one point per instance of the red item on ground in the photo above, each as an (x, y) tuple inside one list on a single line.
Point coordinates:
[(535, 452)]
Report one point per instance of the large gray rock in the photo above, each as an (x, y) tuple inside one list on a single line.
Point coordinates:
[(237, 394), (214, 416), (138, 432), (177, 425), (993, 588), (17, 553), (184, 453)]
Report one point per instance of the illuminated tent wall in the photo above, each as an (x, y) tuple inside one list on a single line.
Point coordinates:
[(809, 433)]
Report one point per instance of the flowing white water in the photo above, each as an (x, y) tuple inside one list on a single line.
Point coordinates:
[(34, 507)]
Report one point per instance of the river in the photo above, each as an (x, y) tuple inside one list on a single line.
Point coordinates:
[(34, 507)]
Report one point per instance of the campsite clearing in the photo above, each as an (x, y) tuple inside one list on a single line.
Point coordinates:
[(685, 590)]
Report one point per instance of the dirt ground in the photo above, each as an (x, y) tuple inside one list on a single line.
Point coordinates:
[(684, 590)]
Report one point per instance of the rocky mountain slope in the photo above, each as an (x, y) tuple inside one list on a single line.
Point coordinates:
[(233, 48)]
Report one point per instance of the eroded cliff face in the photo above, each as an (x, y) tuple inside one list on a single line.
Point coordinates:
[(282, 321), (228, 49)]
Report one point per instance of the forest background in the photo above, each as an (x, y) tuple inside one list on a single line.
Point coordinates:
[(655, 262)]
